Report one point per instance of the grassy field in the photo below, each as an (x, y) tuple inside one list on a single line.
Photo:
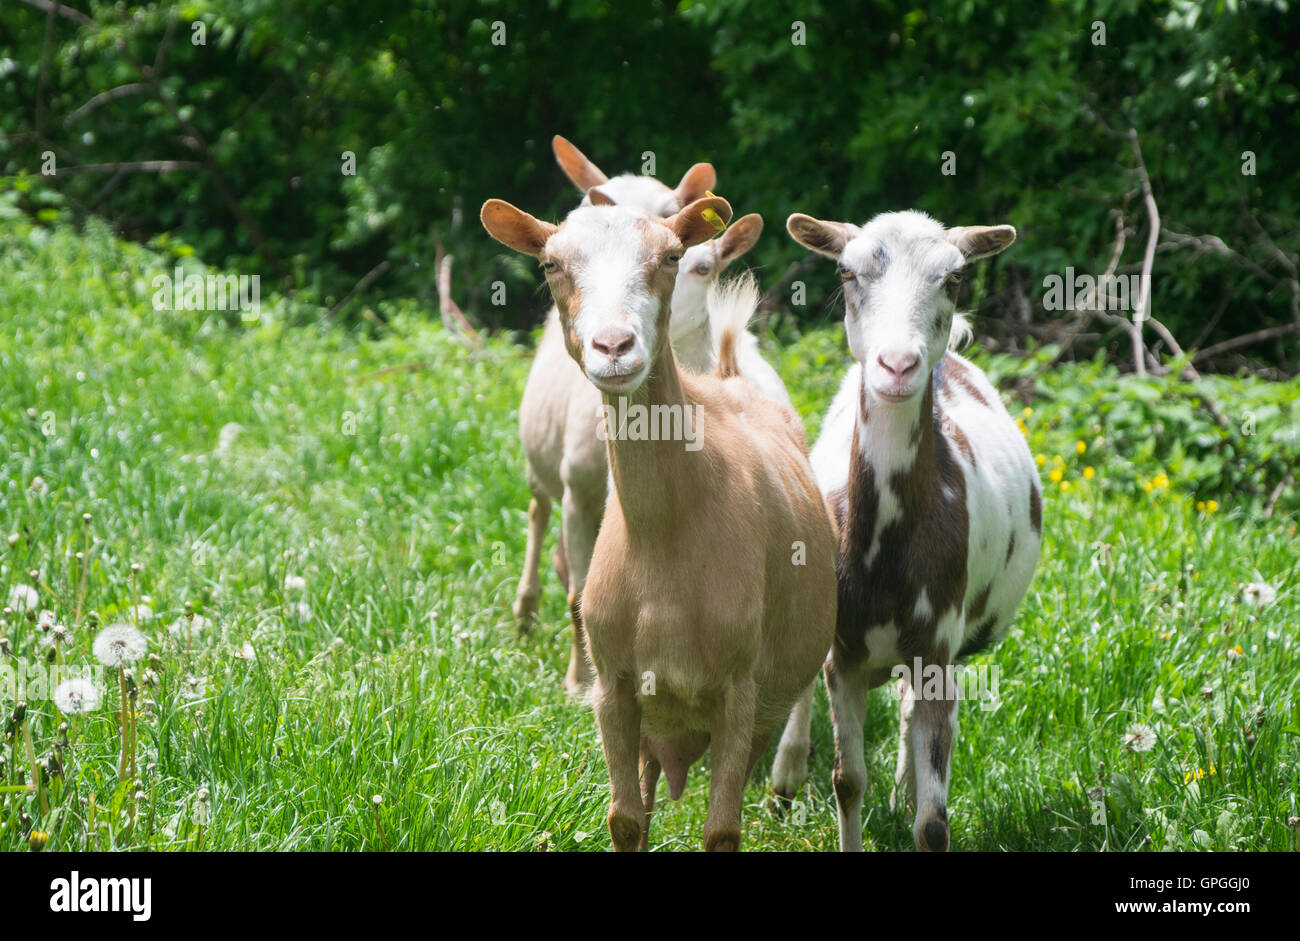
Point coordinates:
[(354, 544)]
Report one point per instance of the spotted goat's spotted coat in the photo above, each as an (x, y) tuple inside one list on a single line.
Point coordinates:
[(935, 496)]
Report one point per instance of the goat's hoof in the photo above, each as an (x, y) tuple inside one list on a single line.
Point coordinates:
[(933, 837), (722, 841), (624, 831)]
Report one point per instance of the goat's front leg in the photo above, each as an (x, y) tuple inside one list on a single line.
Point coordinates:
[(618, 713), (530, 584), (731, 739), (847, 685), (790, 768), (933, 730)]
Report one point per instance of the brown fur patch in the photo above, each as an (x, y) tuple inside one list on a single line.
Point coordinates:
[(1035, 509), (980, 602), (1011, 547), (955, 372)]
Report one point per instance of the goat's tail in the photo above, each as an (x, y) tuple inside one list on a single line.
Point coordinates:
[(960, 334), (731, 305)]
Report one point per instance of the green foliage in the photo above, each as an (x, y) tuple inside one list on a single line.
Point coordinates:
[(441, 115)]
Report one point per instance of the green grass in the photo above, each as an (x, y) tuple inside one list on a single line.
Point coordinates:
[(398, 494)]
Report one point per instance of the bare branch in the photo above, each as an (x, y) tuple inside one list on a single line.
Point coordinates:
[(121, 91), (136, 166), (1258, 336), (1153, 236)]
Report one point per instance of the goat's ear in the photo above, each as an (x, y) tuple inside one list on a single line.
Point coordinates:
[(981, 241), (825, 238), (699, 221), (696, 183), (596, 197), (514, 227), (740, 238), (582, 172)]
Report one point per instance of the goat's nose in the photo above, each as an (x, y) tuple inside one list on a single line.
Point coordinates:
[(613, 342), (900, 365)]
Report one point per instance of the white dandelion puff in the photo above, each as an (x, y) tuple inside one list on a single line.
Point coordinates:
[(294, 583), (119, 644), (1139, 738), (45, 620), (302, 609), (246, 652), (1259, 594), (140, 613), (194, 687), (76, 696), (24, 598), (227, 436)]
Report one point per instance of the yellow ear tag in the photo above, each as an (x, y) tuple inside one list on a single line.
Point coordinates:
[(713, 219)]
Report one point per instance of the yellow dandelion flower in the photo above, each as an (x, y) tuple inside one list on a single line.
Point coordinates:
[(1056, 475), (1080, 447), (1200, 506), (1040, 459), (1165, 635), (1211, 506), (1057, 460), (1065, 485), (1026, 411), (1089, 473)]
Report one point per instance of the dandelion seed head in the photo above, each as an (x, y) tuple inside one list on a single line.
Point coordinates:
[(1139, 738), (76, 696), (294, 583), (119, 644), (24, 598)]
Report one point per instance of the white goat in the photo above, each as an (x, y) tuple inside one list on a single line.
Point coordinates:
[(935, 494), (566, 462), (710, 601)]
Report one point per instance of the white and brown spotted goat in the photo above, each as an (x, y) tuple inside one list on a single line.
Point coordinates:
[(936, 497), (710, 602)]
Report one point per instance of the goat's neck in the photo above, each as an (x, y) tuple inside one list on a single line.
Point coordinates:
[(894, 446), (695, 349), (653, 480)]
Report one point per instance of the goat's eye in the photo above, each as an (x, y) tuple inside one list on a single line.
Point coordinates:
[(672, 258), (954, 279), (846, 273), (550, 267), (701, 269)]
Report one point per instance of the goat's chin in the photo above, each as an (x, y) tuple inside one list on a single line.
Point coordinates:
[(887, 394), (618, 383)]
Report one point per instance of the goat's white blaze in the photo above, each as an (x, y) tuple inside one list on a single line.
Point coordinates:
[(896, 312), (610, 267)]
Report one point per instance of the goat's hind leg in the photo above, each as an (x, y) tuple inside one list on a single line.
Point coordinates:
[(790, 767), (650, 769), (904, 774), (530, 585)]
